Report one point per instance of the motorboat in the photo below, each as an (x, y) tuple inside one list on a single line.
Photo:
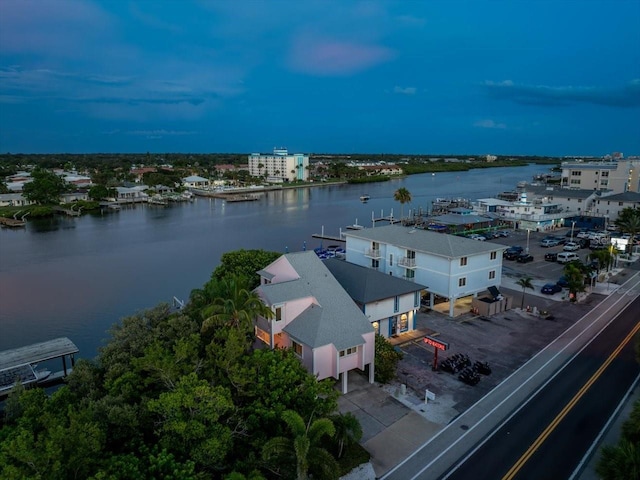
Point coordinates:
[(364, 198)]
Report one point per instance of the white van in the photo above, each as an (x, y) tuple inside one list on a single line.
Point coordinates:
[(566, 257)]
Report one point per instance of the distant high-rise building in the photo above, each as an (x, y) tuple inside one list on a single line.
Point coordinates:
[(280, 166)]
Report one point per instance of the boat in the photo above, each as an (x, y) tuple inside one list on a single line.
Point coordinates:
[(23, 374), (364, 198)]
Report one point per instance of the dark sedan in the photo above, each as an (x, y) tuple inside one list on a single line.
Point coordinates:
[(551, 288), (551, 257), (524, 258)]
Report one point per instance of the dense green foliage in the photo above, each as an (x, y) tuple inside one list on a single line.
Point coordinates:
[(370, 179), (386, 360), (575, 273), (179, 394), (45, 188)]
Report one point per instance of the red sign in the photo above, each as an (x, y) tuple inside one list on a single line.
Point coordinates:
[(436, 343)]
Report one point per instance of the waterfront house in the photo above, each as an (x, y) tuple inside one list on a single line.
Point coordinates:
[(390, 303), (14, 200), (451, 266), (195, 181), (131, 194), (315, 317)]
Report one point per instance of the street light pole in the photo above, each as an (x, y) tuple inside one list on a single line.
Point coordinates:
[(572, 225), (528, 232)]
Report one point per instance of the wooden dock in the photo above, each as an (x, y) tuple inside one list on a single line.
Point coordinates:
[(12, 222), (18, 364)]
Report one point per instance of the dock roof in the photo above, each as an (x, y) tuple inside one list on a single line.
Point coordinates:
[(38, 352)]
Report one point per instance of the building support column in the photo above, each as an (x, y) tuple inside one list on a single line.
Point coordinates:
[(345, 377), (452, 302), (371, 373)]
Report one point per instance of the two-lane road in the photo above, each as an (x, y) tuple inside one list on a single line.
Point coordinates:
[(549, 435)]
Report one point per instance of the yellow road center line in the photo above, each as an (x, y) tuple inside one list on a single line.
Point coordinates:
[(547, 431)]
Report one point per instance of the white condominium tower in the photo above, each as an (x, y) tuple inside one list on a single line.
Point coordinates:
[(279, 166)]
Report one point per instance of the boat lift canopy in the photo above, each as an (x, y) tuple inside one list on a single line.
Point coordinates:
[(38, 352)]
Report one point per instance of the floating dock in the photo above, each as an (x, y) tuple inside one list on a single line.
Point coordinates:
[(18, 364)]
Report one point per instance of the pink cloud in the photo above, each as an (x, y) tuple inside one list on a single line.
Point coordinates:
[(334, 58)]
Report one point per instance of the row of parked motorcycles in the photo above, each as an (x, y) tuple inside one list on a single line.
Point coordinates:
[(468, 373)]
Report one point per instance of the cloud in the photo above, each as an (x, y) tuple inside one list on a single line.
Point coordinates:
[(405, 90), (488, 123), (627, 96), (161, 133), (327, 57)]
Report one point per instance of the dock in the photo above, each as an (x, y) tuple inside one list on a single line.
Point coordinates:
[(12, 222), (19, 364)]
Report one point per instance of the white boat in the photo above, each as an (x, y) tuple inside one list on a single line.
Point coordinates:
[(364, 198)]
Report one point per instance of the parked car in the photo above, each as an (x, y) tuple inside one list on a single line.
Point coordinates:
[(503, 233), (571, 247), (512, 253), (566, 257), (551, 257), (524, 258), (549, 242), (562, 282), (551, 288)]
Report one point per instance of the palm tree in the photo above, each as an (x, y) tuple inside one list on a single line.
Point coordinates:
[(304, 448), (629, 222), (524, 282), (236, 306), (348, 430), (403, 196), (574, 272)]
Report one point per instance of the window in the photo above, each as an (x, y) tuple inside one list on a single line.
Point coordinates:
[(278, 314), (297, 348), (375, 263), (348, 351), (396, 303), (463, 261), (391, 259), (492, 274), (462, 282), (409, 274), (494, 255)]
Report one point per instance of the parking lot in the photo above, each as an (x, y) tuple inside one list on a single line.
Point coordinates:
[(540, 270)]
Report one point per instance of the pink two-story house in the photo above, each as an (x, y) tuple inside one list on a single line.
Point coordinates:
[(315, 317)]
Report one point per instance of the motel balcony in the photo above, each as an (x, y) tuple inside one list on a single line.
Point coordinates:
[(372, 253), (407, 262)]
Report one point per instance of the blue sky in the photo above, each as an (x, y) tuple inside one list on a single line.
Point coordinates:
[(433, 77)]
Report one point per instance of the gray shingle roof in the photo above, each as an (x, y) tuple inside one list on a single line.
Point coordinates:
[(366, 285), (335, 319), (557, 192), (441, 244), (622, 197)]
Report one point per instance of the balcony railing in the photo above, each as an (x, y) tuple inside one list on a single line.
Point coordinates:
[(407, 262), (372, 253)]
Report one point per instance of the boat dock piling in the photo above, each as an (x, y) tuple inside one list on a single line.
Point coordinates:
[(333, 238)]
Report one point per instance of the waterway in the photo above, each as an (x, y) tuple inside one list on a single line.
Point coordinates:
[(76, 277)]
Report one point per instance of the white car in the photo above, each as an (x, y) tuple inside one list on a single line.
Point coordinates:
[(571, 247)]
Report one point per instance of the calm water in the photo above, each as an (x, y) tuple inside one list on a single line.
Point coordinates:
[(75, 277)]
